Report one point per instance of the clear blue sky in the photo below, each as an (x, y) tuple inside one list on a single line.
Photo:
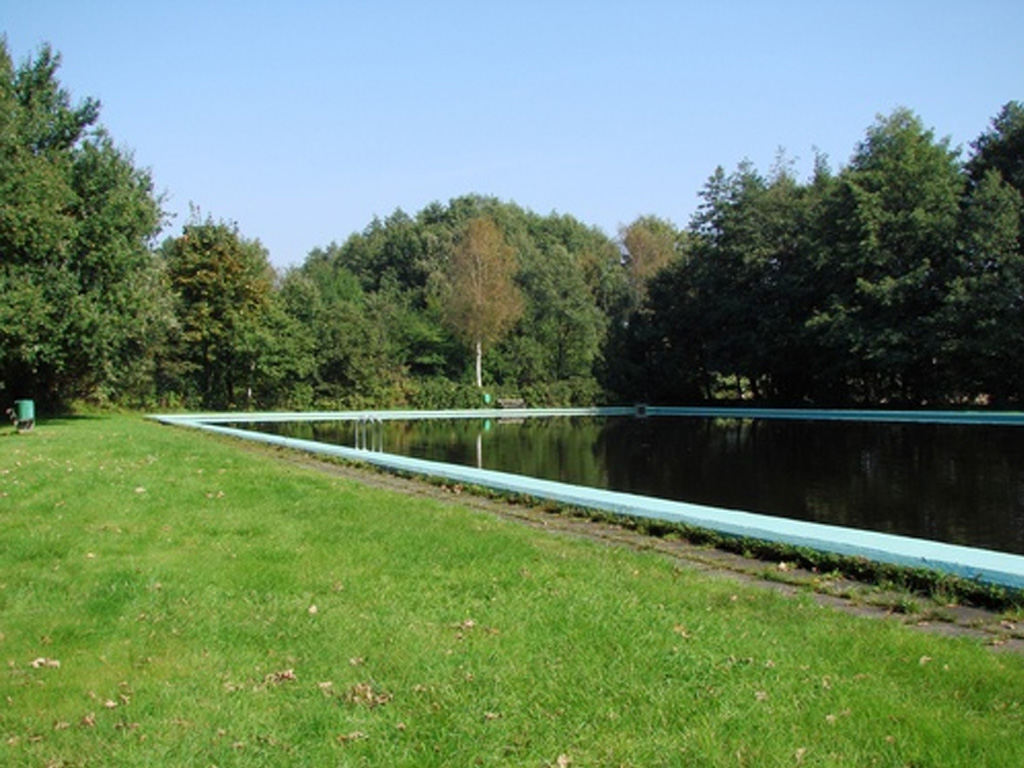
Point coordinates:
[(301, 121)]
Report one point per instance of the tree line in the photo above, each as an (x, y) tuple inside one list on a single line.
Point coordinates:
[(898, 278)]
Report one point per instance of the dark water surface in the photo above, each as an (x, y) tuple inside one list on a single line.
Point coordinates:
[(960, 484)]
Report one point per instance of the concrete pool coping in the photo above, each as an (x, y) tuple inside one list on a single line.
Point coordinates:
[(997, 568)]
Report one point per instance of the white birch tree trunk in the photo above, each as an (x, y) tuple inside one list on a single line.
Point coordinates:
[(479, 364)]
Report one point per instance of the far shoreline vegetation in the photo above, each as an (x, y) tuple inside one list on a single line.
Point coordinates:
[(896, 280)]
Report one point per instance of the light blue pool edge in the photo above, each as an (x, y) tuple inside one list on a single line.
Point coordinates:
[(998, 568)]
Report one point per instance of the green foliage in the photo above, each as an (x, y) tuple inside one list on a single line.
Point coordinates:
[(891, 227), (726, 306), (237, 346), (894, 281), (1001, 148), (562, 329), (438, 393), (649, 245), (983, 315), (383, 312), (83, 309)]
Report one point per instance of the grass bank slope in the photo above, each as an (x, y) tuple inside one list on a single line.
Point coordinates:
[(167, 598)]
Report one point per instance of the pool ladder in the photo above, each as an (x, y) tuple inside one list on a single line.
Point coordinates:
[(370, 434)]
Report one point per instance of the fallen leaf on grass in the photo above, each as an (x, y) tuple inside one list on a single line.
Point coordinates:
[(563, 761), (284, 676), (44, 663), (832, 719), (354, 736), (363, 693), (469, 625)]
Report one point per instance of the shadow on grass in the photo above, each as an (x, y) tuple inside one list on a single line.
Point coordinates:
[(69, 418), (9, 429)]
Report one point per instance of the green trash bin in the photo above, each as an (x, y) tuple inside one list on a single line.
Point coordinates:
[(24, 414)]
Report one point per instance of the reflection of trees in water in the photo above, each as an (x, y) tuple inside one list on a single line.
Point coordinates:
[(963, 484), (555, 449)]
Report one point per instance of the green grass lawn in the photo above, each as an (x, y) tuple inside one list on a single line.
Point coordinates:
[(170, 598)]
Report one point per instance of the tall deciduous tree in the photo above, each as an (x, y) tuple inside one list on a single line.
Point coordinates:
[(484, 300), (984, 302), (222, 284), (649, 244), (1001, 150), (890, 232), (81, 297), (742, 287), (560, 334)]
